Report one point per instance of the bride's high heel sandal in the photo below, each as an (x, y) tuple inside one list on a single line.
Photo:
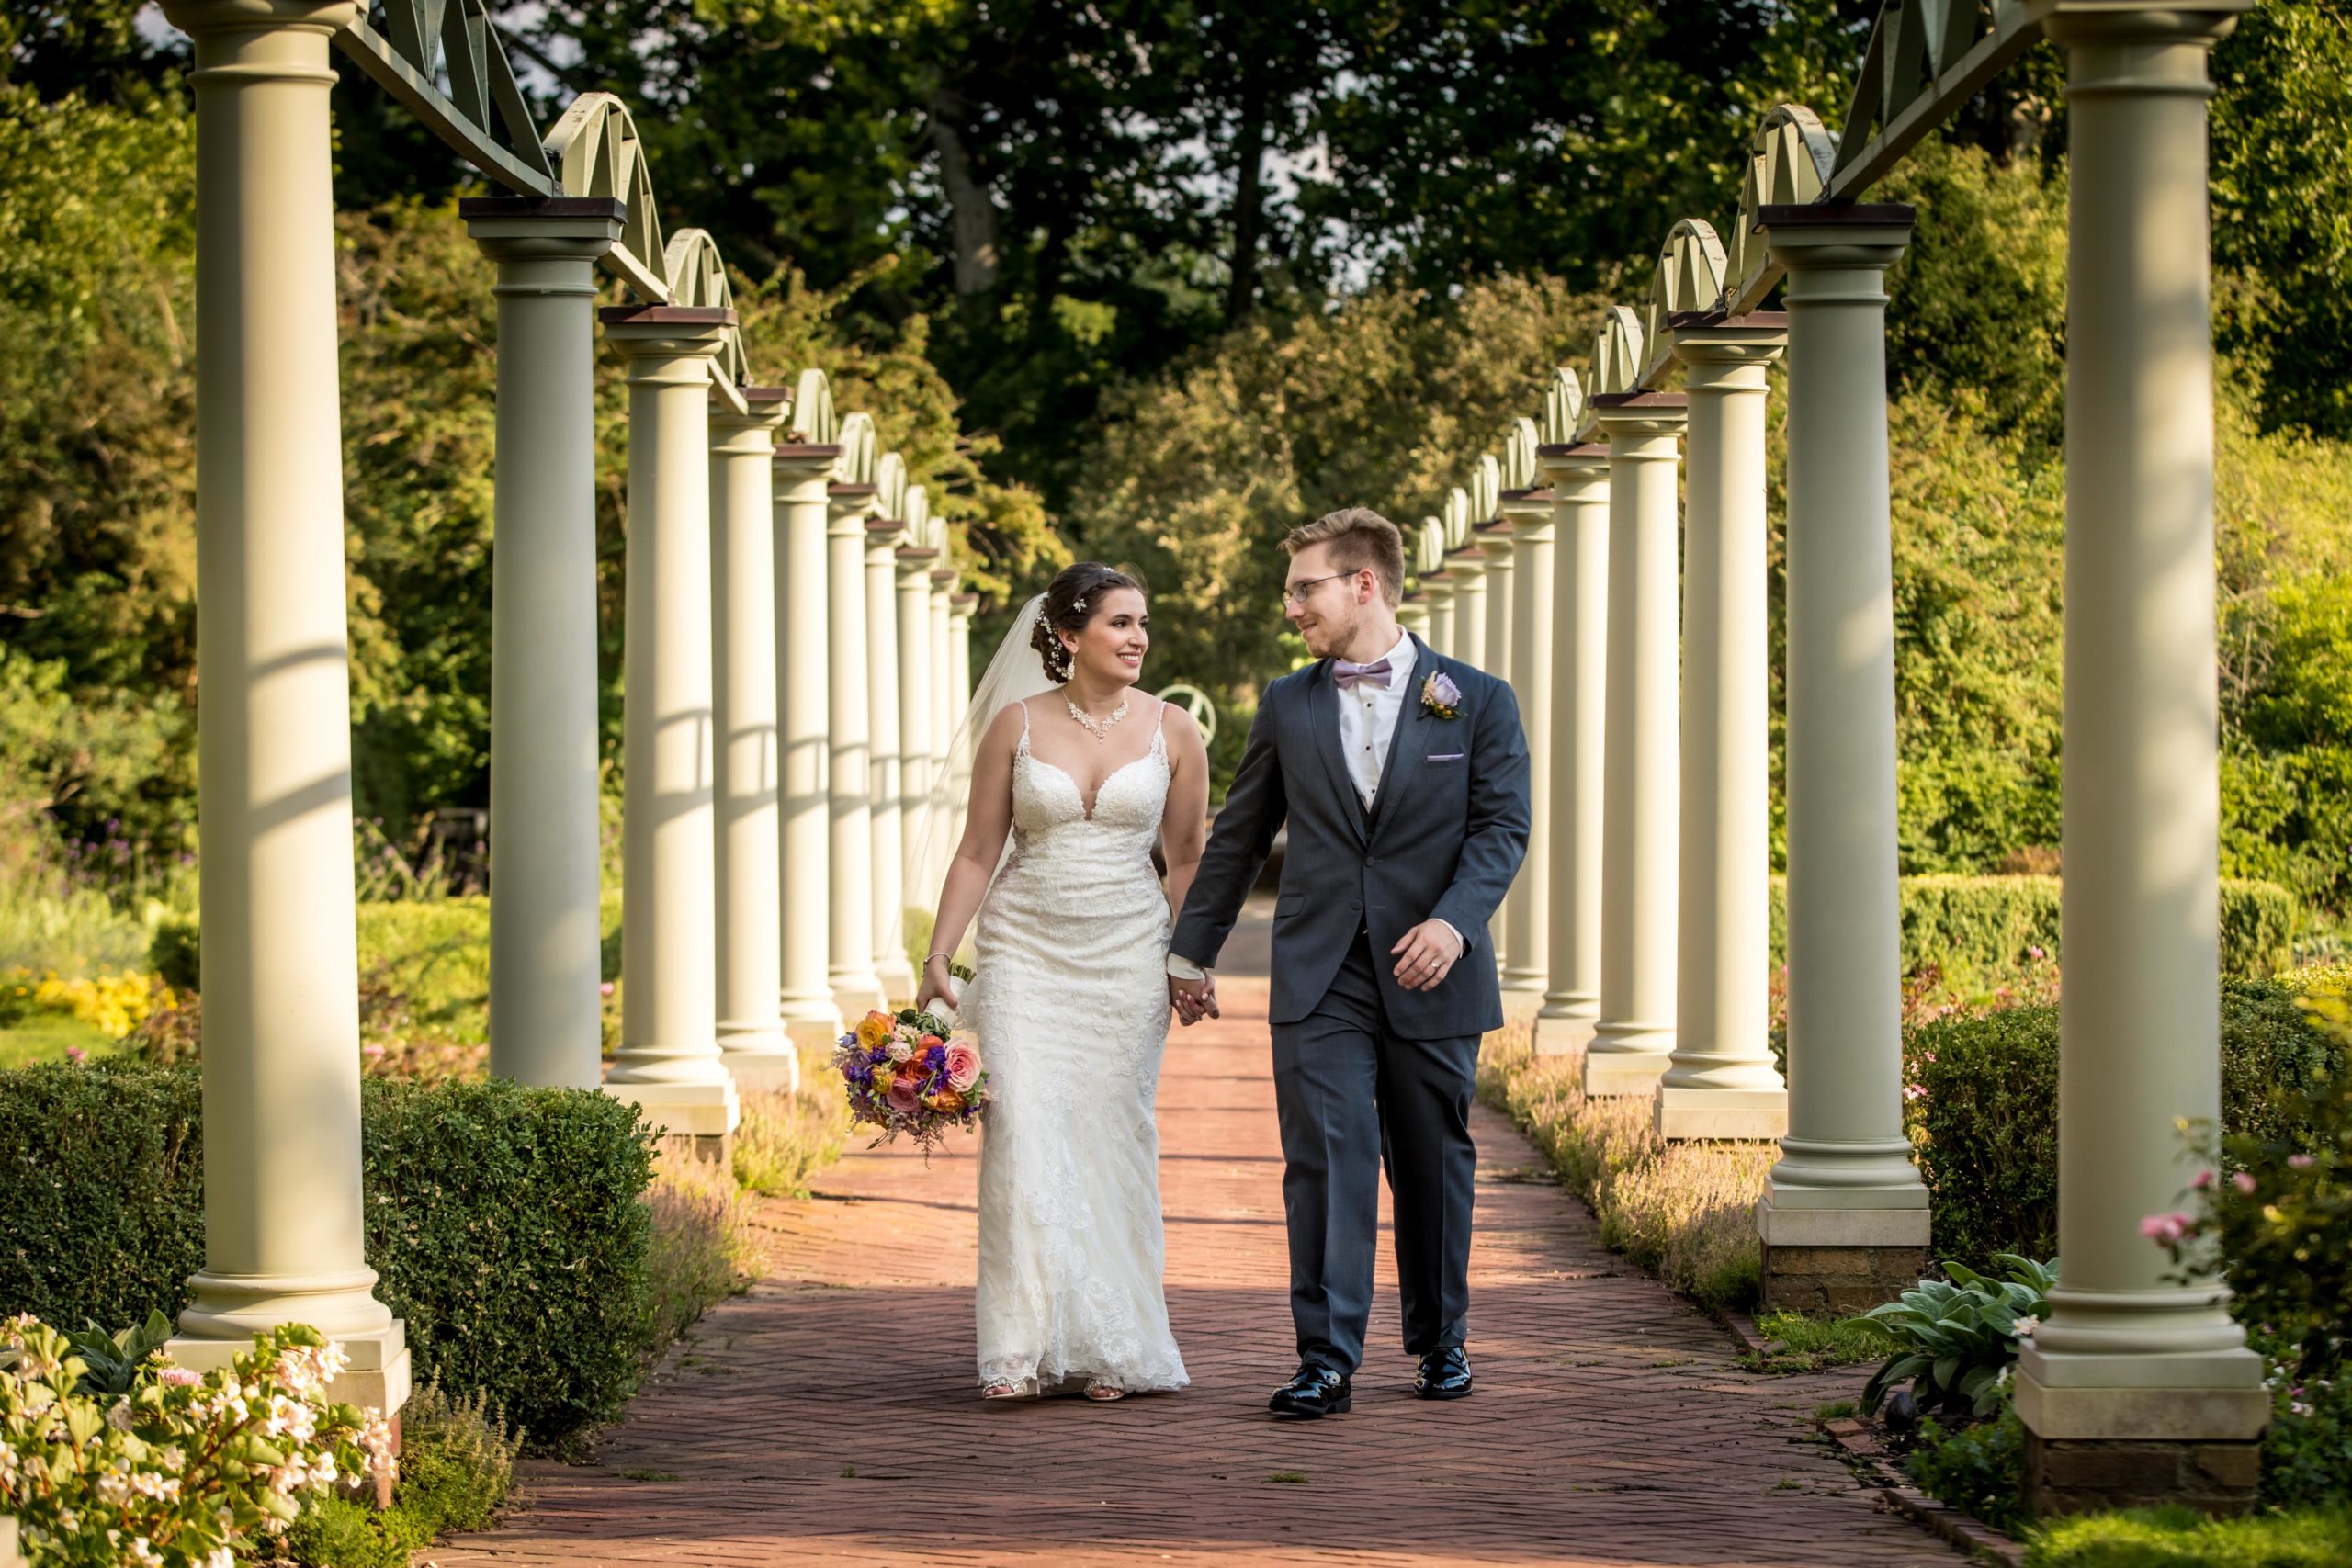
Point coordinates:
[(1003, 1389), (1104, 1392)]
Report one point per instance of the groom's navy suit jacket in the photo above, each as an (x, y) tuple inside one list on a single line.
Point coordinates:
[(1446, 835)]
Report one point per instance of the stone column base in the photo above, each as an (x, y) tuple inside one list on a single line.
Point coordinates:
[(1840, 1260), (696, 1121), (761, 1059), (900, 982), (376, 1379), (1719, 1113), (1522, 1003), (2082, 1475), (1623, 1072), (1563, 1036)]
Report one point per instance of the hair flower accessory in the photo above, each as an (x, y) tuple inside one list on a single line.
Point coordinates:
[(1441, 696)]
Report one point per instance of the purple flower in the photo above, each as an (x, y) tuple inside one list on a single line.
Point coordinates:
[(1442, 688)]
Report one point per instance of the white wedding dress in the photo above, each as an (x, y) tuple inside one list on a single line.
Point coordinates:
[(1069, 1001)]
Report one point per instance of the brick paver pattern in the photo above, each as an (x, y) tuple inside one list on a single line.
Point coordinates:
[(829, 1415)]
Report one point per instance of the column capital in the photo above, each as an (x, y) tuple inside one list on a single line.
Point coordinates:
[(1811, 236), (1727, 353), (200, 19), (943, 580), (2072, 23), (1530, 511), (846, 508), (562, 228), (1574, 467), (1629, 417), (669, 344), (882, 534), (1467, 564), (914, 567), (753, 433)]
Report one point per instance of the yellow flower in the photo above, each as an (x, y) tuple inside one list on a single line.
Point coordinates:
[(873, 1029)]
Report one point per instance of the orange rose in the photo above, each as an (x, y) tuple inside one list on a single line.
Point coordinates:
[(873, 1029), (883, 1079), (947, 1100)]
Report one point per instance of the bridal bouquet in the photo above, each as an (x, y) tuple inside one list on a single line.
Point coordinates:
[(907, 1072)]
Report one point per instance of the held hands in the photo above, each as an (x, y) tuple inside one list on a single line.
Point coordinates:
[(1426, 955), (938, 984), (1194, 999)]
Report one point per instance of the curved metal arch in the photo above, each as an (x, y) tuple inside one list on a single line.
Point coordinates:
[(410, 46), (1789, 162), (1195, 703), (1429, 547), (1690, 277), (1519, 441), (1457, 513), (596, 152), (855, 466), (1617, 351), (1562, 408), (1486, 490), (697, 277), (890, 491), (813, 422)]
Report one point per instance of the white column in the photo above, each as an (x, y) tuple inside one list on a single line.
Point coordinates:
[(2128, 1355), (856, 989), (1526, 945), (915, 724), (1720, 1082), (751, 1038), (1579, 476), (1641, 800), (545, 936), (1437, 591), (284, 1239), (959, 697), (890, 962), (1466, 572), (1413, 614), (943, 717), (1845, 1178), (669, 1060), (804, 703), (1497, 548)]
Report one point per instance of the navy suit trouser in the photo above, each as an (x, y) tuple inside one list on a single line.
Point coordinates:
[(1353, 1095)]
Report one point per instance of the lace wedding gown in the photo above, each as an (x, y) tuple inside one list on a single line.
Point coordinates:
[(1070, 1003)]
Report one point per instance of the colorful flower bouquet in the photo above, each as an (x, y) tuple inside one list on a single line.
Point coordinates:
[(909, 1072)]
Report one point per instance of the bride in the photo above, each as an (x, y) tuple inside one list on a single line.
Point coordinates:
[(1070, 998)]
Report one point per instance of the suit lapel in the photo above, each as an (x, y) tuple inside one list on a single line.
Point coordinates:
[(1406, 745), (1323, 698)]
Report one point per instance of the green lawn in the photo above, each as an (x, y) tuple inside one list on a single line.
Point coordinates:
[(44, 1037)]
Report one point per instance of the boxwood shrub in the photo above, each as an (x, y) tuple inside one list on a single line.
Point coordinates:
[(1983, 925), (1985, 1118), (508, 1224)]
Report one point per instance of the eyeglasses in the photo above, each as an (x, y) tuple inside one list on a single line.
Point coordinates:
[(1297, 592)]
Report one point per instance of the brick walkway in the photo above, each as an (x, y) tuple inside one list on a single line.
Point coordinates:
[(829, 1415)]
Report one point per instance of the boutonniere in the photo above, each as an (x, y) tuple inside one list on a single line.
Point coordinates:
[(1441, 696)]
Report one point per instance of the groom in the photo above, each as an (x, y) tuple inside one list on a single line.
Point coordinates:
[(1403, 776)]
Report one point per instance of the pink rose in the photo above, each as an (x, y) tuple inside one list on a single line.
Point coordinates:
[(2244, 1182), (904, 1097), (963, 1065)]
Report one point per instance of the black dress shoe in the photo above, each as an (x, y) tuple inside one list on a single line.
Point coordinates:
[(1444, 1374), (1314, 1392)]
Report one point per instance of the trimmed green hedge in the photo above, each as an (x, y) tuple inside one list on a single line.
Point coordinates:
[(435, 952), (1984, 924), (507, 1223), (1986, 1124)]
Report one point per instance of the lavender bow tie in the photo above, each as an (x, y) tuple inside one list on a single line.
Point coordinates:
[(1345, 674)]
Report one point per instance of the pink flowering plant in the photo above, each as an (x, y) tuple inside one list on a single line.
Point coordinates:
[(909, 1072), (2277, 1214), (183, 1470)]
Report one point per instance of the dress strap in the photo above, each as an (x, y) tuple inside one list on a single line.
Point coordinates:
[(1159, 731), (1023, 707)]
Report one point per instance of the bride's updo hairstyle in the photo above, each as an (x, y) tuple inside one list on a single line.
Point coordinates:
[(1071, 600)]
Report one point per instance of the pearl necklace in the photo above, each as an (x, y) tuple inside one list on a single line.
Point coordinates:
[(1098, 727)]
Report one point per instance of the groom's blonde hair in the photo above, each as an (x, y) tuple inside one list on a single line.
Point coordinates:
[(1359, 538)]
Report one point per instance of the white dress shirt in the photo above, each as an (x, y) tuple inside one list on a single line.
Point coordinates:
[(1368, 714)]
